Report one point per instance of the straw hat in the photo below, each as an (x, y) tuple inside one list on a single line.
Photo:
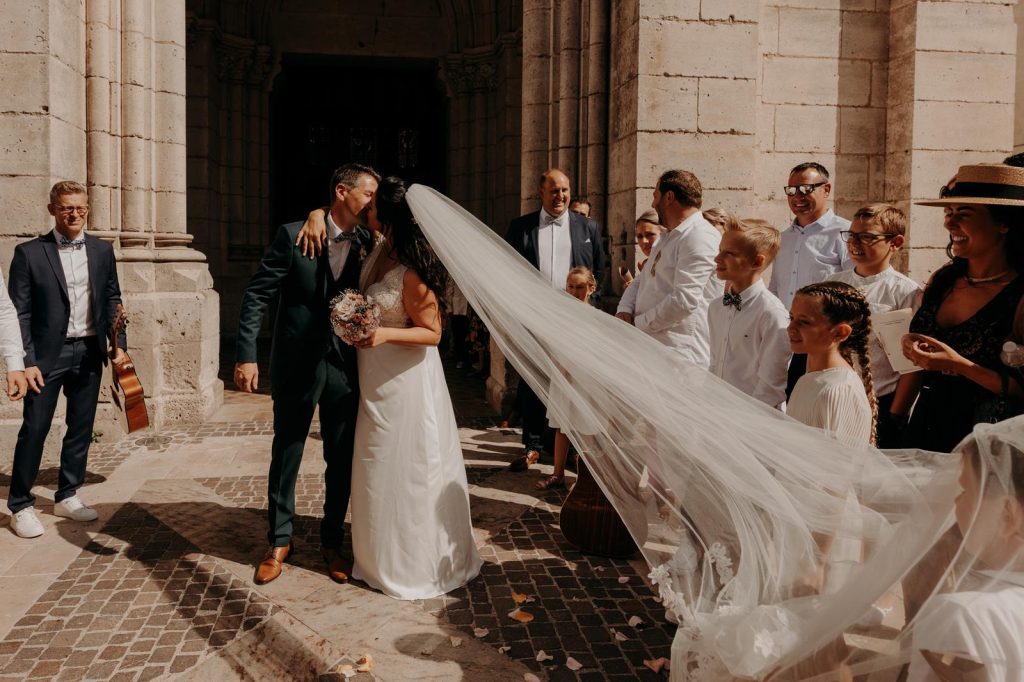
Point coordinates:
[(992, 184)]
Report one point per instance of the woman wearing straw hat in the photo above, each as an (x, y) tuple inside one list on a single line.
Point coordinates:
[(970, 307)]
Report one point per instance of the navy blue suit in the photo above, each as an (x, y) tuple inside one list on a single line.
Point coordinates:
[(39, 291)]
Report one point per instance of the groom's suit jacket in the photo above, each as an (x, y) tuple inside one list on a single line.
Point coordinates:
[(39, 291), (584, 236), (303, 289)]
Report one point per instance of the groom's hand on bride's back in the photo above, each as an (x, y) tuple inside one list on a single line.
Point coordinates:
[(247, 376)]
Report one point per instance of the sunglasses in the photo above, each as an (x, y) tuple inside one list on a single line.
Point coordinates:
[(865, 238), (793, 190)]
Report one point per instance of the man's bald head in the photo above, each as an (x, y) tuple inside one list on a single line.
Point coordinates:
[(554, 191)]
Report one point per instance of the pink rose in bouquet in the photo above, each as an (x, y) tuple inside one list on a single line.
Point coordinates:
[(354, 316)]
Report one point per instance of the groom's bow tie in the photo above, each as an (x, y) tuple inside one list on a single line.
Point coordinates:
[(347, 237), (75, 244), (732, 299)]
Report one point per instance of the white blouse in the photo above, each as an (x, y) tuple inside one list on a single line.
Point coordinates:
[(983, 625), (834, 400)]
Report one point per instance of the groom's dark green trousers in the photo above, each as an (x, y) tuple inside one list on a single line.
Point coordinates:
[(309, 367)]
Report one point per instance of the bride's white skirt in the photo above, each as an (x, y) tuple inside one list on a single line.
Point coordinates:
[(412, 537)]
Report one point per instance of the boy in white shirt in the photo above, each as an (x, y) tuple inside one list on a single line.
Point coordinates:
[(749, 343), (876, 234), (11, 347)]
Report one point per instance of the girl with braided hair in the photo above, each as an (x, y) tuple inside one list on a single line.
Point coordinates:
[(831, 323)]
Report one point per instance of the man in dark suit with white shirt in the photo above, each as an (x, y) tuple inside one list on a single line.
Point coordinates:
[(554, 240), (65, 289)]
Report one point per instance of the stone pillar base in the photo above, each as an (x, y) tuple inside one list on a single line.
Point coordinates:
[(173, 337)]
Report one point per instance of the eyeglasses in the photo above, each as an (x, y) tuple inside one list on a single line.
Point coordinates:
[(68, 210), (865, 238), (793, 190)]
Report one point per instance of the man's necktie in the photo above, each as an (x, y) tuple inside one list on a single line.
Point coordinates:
[(75, 244), (732, 299), (347, 237)]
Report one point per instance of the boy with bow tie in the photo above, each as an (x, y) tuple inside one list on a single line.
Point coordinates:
[(749, 343)]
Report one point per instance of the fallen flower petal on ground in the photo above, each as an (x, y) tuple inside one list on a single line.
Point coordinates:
[(635, 622), (456, 641), (572, 664), (481, 632), (364, 664), (521, 616), (658, 664)]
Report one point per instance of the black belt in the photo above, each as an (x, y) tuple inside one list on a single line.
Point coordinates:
[(72, 339)]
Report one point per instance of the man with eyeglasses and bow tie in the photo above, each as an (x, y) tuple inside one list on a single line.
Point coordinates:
[(310, 366), (812, 249), (65, 289), (554, 240)]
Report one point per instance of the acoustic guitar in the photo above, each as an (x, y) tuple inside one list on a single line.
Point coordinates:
[(126, 390)]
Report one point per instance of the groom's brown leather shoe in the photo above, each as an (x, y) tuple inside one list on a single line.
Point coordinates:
[(270, 567), (338, 567)]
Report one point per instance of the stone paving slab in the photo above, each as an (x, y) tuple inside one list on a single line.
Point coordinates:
[(161, 585)]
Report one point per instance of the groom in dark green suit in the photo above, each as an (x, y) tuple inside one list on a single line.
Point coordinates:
[(309, 365)]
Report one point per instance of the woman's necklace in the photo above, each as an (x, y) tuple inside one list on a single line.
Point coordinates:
[(985, 280)]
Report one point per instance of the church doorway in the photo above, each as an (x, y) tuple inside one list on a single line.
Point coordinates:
[(326, 111)]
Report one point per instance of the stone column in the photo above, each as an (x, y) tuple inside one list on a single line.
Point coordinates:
[(173, 335), (951, 102), (683, 95)]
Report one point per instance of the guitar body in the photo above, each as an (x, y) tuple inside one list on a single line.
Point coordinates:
[(589, 521), (126, 391), (128, 395)]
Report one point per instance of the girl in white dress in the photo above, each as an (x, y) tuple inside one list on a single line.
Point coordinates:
[(976, 632), (412, 537), (831, 323), (580, 284)]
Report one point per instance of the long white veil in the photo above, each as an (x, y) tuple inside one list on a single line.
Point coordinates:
[(767, 539)]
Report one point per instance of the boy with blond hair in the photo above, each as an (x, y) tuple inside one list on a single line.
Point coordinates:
[(877, 233), (749, 343)]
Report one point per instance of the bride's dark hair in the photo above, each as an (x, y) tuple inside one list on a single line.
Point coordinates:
[(409, 246)]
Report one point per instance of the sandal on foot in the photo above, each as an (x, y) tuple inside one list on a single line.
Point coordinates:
[(550, 482)]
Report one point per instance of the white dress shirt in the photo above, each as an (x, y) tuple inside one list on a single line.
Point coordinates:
[(337, 252), (808, 255), (11, 346), (554, 248), (76, 274), (675, 287), (750, 346), (835, 401), (886, 291)]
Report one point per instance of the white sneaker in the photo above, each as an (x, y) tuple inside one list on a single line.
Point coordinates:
[(73, 508), (26, 524)]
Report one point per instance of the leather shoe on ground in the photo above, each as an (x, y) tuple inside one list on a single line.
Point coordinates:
[(523, 463), (271, 565), (338, 567)]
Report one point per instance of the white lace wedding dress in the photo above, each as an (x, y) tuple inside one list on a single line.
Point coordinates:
[(411, 532)]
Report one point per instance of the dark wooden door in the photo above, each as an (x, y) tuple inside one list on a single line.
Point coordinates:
[(329, 111)]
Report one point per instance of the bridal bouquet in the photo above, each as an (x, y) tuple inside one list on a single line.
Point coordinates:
[(354, 316)]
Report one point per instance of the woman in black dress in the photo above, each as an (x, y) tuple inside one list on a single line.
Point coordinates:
[(971, 306)]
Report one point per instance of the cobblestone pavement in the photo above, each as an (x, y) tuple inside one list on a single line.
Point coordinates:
[(161, 585)]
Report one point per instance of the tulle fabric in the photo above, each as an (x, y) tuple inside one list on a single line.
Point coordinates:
[(767, 539)]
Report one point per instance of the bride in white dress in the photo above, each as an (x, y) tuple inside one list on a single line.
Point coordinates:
[(412, 537)]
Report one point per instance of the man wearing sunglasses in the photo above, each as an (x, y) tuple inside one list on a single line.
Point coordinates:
[(812, 249)]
